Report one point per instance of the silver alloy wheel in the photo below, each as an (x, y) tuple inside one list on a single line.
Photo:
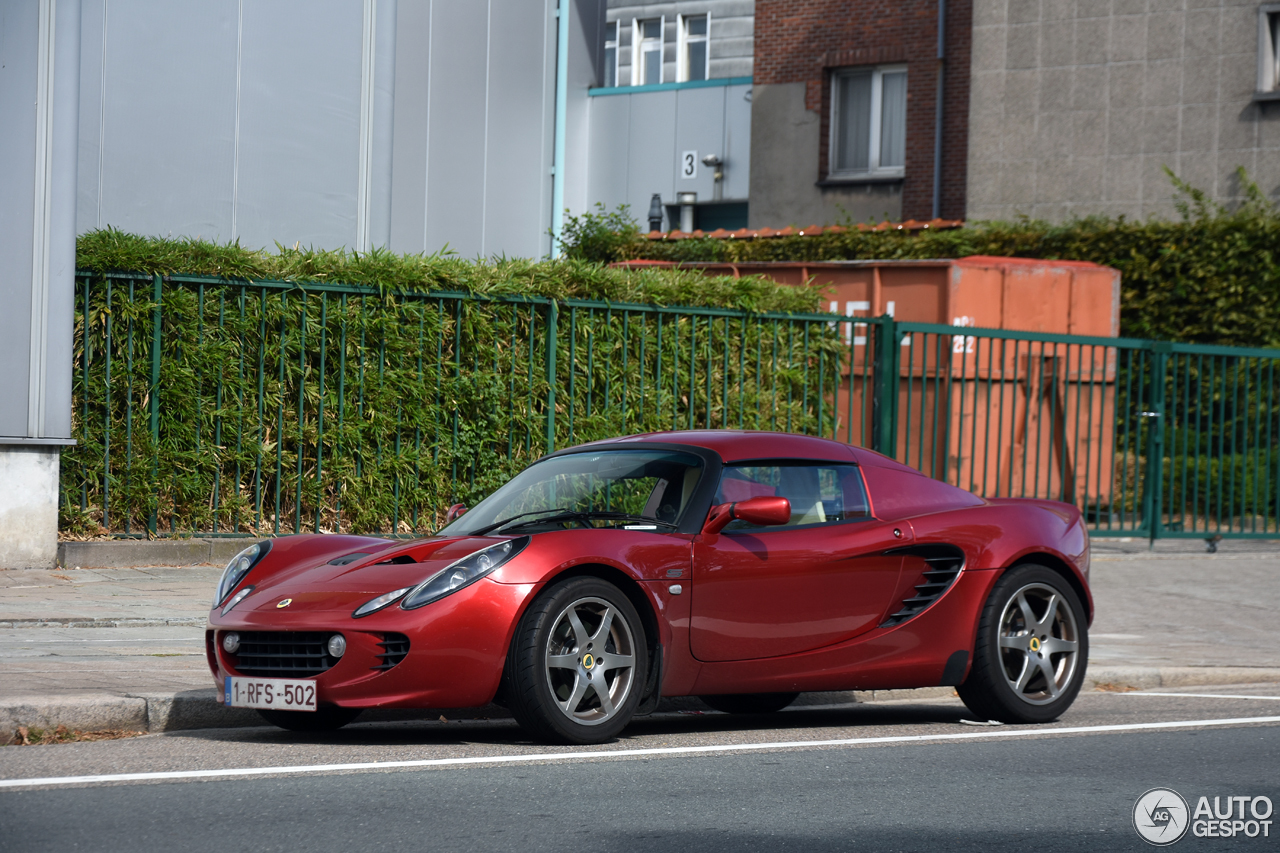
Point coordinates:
[(1039, 643), (590, 661)]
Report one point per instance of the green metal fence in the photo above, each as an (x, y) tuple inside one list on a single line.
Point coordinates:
[(244, 408), (237, 408), (1149, 439)]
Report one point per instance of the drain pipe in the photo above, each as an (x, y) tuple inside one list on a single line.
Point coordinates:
[(562, 101), (937, 118)]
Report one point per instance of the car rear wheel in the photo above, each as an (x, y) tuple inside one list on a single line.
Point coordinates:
[(327, 718), (1032, 648), (750, 703), (577, 664)]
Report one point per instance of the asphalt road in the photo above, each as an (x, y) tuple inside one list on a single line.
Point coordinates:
[(721, 784)]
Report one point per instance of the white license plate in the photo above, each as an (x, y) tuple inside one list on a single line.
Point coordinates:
[(280, 694)]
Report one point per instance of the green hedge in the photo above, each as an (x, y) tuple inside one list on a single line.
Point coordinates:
[(1212, 277), (285, 408)]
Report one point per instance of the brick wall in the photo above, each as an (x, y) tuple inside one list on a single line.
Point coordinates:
[(802, 41)]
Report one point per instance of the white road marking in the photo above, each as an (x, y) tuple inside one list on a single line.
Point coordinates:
[(618, 753), (1196, 695)]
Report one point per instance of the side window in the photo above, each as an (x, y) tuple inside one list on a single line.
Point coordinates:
[(819, 493)]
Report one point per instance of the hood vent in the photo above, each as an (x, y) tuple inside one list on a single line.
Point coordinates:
[(348, 558), (942, 566)]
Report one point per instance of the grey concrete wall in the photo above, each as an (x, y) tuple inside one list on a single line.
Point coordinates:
[(1077, 105), (731, 39), (784, 171), (636, 141), (28, 506)]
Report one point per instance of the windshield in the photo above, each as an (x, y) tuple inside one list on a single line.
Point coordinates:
[(609, 488)]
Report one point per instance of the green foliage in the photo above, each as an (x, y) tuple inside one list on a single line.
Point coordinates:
[(602, 237), (335, 407), (1213, 277)]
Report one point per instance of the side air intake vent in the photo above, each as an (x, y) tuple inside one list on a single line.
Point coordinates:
[(395, 648), (942, 566)]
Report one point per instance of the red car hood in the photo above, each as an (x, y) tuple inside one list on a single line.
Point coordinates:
[(304, 571)]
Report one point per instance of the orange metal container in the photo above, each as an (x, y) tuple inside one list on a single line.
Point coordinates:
[(1000, 417)]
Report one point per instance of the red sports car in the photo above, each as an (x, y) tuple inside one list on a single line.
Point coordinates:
[(740, 567)]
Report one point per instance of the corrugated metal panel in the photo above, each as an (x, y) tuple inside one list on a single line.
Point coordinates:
[(652, 161), (455, 155), (737, 142), (299, 123), (700, 128), (169, 117), (515, 167), (18, 25)]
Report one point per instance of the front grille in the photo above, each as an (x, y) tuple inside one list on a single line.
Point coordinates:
[(942, 567), (284, 654), (395, 648)]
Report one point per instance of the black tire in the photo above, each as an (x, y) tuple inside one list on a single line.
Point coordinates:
[(554, 668), (326, 718), (1021, 675), (750, 703)]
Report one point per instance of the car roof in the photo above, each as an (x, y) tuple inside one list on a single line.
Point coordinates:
[(733, 445)]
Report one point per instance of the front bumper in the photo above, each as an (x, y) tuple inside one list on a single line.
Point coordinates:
[(457, 648)]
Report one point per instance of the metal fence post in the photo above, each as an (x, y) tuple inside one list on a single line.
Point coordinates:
[(155, 404), (553, 311), (884, 403), (1153, 481)]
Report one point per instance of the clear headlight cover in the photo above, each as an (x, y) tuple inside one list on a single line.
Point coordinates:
[(464, 572), (376, 604), (239, 567)]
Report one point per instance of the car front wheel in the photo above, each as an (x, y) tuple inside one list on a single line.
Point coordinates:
[(1032, 648), (577, 664)]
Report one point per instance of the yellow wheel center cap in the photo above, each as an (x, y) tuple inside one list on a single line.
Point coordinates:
[(588, 661), (1035, 644)]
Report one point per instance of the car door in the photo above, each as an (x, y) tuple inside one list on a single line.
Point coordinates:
[(823, 578)]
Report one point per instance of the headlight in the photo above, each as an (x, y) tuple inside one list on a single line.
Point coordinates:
[(464, 572), (236, 599), (380, 602), (239, 567)]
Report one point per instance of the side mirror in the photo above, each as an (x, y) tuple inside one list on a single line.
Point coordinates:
[(455, 512), (762, 511)]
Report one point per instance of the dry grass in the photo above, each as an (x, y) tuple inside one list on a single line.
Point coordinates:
[(33, 736)]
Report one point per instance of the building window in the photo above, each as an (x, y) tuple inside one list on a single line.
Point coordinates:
[(646, 52), (1269, 49), (693, 48), (610, 55), (868, 122)]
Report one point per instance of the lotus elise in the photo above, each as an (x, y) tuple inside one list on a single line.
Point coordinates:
[(740, 567)]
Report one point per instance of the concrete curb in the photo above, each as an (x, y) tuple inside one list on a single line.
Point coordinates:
[(202, 709), (131, 553), (179, 621)]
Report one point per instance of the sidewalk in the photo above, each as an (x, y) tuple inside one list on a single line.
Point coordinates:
[(96, 648)]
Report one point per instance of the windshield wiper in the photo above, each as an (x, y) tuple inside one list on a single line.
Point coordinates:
[(504, 522), (563, 514), (626, 516)]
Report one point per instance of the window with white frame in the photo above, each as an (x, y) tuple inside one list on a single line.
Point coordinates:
[(610, 75), (646, 52), (868, 122), (693, 54), (1269, 48)]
